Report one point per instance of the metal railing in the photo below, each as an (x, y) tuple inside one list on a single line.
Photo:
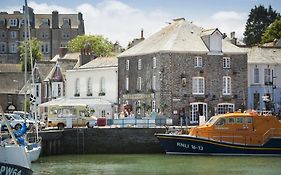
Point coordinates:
[(138, 123)]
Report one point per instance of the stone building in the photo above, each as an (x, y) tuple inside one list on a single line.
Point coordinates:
[(53, 30), (183, 71)]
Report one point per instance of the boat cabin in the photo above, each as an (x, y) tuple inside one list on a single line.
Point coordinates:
[(248, 128)]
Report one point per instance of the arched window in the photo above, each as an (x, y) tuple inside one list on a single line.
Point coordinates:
[(77, 88), (89, 87)]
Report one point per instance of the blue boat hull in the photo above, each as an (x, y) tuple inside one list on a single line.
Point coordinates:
[(185, 144), (9, 169)]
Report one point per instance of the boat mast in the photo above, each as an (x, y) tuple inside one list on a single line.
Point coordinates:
[(25, 57), (32, 73)]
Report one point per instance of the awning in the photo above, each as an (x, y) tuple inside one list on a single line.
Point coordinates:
[(76, 102)]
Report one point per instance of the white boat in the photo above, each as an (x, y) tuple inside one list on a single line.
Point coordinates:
[(14, 158), (33, 150)]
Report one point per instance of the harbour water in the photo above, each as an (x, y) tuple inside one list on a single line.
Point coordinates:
[(156, 164)]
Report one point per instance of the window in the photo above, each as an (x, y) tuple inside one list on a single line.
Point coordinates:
[(231, 120), (65, 35), (102, 86), (239, 120), (2, 34), (256, 75), (23, 34), (226, 62), (139, 107), (89, 87), (66, 21), (198, 85), (267, 76), (13, 22), (13, 48), (2, 47), (13, 34), (221, 122), (225, 108), (59, 90), (153, 82), (198, 62), (154, 63), (45, 21), (183, 82), (45, 48), (127, 83), (37, 90), (103, 113), (77, 87), (10, 99), (198, 109), (127, 64), (139, 64), (44, 35), (226, 85), (139, 83), (249, 120), (153, 106)]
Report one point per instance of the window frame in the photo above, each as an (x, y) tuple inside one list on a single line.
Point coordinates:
[(139, 64), (197, 83), (198, 61), (226, 62), (223, 108), (226, 89), (154, 63), (256, 75), (127, 65)]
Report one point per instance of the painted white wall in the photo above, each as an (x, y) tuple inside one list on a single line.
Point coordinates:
[(216, 42)]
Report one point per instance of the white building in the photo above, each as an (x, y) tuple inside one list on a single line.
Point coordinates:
[(95, 84), (264, 77)]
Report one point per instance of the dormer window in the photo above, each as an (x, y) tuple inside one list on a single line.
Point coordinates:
[(13, 22), (45, 21), (216, 42), (66, 21)]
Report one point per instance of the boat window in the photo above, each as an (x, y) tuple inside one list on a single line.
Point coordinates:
[(231, 120), (249, 120), (239, 120), (212, 120), (221, 122)]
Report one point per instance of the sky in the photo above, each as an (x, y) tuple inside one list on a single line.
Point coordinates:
[(122, 20)]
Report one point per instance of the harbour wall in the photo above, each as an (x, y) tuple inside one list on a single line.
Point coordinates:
[(100, 141)]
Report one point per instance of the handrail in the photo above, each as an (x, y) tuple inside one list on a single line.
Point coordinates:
[(271, 133)]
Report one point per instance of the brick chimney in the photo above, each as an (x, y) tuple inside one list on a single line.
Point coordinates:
[(142, 34)]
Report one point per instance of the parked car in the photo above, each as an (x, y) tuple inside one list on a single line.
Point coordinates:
[(41, 125), (15, 121)]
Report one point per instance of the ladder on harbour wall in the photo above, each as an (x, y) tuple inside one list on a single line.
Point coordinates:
[(80, 141)]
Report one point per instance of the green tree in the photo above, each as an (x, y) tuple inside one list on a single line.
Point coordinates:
[(97, 44), (259, 19), (36, 52), (272, 32)]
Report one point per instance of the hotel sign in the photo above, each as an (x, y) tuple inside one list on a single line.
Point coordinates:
[(137, 96)]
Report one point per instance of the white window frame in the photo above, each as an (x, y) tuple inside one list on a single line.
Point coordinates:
[(226, 90), (127, 65), (256, 75), (267, 75), (198, 61), (194, 118), (154, 82), (13, 34), (223, 108), (198, 85), (139, 64), (226, 62), (45, 48), (89, 86), (154, 63), (102, 85), (65, 35), (13, 47), (77, 87), (45, 21), (153, 106), (139, 83), (13, 22), (66, 21), (138, 105), (59, 90), (45, 35), (127, 83)]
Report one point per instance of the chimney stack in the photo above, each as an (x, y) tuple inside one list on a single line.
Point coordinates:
[(142, 34), (232, 35), (62, 51)]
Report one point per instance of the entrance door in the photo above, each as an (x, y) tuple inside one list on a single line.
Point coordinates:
[(198, 109)]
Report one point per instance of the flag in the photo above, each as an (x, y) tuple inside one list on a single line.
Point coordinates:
[(32, 99)]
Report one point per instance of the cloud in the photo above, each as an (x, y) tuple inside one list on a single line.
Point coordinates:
[(226, 22), (113, 19)]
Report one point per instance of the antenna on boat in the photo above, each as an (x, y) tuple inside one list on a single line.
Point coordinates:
[(25, 57)]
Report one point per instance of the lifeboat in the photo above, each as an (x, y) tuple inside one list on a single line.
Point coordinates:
[(237, 133)]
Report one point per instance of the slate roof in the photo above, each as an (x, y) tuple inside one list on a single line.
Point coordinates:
[(263, 55), (179, 36), (101, 62), (63, 65), (43, 69), (11, 82), (73, 17)]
